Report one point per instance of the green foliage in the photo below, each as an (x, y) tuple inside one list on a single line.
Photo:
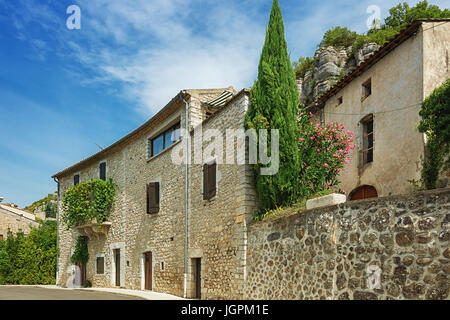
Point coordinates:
[(399, 17), (338, 37), (274, 104), (87, 201), (435, 124), (31, 259), (81, 253), (302, 66), (45, 201)]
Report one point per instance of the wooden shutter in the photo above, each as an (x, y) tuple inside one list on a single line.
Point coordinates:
[(209, 181), (153, 197), (100, 265), (103, 171)]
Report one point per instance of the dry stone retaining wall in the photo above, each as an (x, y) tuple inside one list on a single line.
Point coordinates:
[(344, 251)]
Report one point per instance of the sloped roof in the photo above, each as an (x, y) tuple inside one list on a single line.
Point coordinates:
[(171, 107), (16, 211), (393, 43)]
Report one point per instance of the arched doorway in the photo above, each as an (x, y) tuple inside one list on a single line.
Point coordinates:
[(364, 192)]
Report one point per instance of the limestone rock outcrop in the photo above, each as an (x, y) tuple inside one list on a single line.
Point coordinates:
[(330, 65)]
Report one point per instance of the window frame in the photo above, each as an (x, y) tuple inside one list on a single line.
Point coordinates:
[(100, 171), (367, 145), (366, 84), (153, 208), (209, 191), (97, 264), (75, 181), (163, 134)]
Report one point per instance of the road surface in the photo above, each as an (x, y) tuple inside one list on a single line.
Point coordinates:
[(39, 293)]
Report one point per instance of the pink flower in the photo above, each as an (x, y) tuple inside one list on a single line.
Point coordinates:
[(326, 165), (313, 138), (301, 140)]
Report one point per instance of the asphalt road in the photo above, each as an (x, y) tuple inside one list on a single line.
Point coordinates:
[(34, 293)]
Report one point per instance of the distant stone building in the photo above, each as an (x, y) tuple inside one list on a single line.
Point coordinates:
[(380, 102), (14, 219)]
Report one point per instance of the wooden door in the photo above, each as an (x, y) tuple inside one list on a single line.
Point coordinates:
[(148, 270), (198, 278), (117, 263), (83, 272), (364, 192)]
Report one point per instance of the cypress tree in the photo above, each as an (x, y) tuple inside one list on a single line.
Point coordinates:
[(274, 105)]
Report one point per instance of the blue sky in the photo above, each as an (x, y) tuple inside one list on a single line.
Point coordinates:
[(63, 92)]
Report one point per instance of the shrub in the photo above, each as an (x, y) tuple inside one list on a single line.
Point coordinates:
[(435, 124), (87, 201), (324, 153), (338, 37)]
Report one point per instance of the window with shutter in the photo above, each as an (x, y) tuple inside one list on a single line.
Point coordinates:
[(103, 171), (100, 265), (209, 181), (153, 197), (76, 179)]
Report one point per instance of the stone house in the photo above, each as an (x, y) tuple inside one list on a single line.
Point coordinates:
[(380, 102), (186, 239), (182, 228), (14, 219)]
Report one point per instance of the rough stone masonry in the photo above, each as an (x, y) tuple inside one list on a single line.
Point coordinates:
[(338, 252)]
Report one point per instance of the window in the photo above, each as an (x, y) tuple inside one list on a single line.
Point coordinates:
[(368, 140), (153, 197), (1, 237), (366, 89), (340, 100), (209, 181), (165, 140), (76, 179), (100, 265), (103, 171), (162, 266)]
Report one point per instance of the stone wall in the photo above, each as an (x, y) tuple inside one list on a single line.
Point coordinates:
[(336, 252), (15, 222), (216, 227)]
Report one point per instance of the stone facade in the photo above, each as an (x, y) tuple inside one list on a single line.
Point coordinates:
[(343, 251), (216, 228), (15, 220), (400, 81)]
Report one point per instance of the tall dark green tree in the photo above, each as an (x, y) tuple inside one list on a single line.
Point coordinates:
[(274, 105)]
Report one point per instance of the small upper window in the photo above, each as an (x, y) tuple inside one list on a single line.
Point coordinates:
[(368, 140), (209, 181), (100, 265), (103, 171), (76, 179), (153, 198), (164, 140), (367, 89), (340, 100)]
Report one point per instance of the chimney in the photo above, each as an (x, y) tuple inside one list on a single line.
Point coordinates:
[(1, 199)]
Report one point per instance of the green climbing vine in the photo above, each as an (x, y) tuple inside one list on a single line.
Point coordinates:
[(88, 201), (81, 253), (435, 124)]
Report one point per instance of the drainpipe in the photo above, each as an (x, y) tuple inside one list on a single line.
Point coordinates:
[(57, 231), (186, 192)]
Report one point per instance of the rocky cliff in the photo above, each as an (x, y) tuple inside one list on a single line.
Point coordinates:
[(330, 65)]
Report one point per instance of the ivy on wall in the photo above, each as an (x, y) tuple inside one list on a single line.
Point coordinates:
[(88, 201), (81, 253), (435, 124)]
